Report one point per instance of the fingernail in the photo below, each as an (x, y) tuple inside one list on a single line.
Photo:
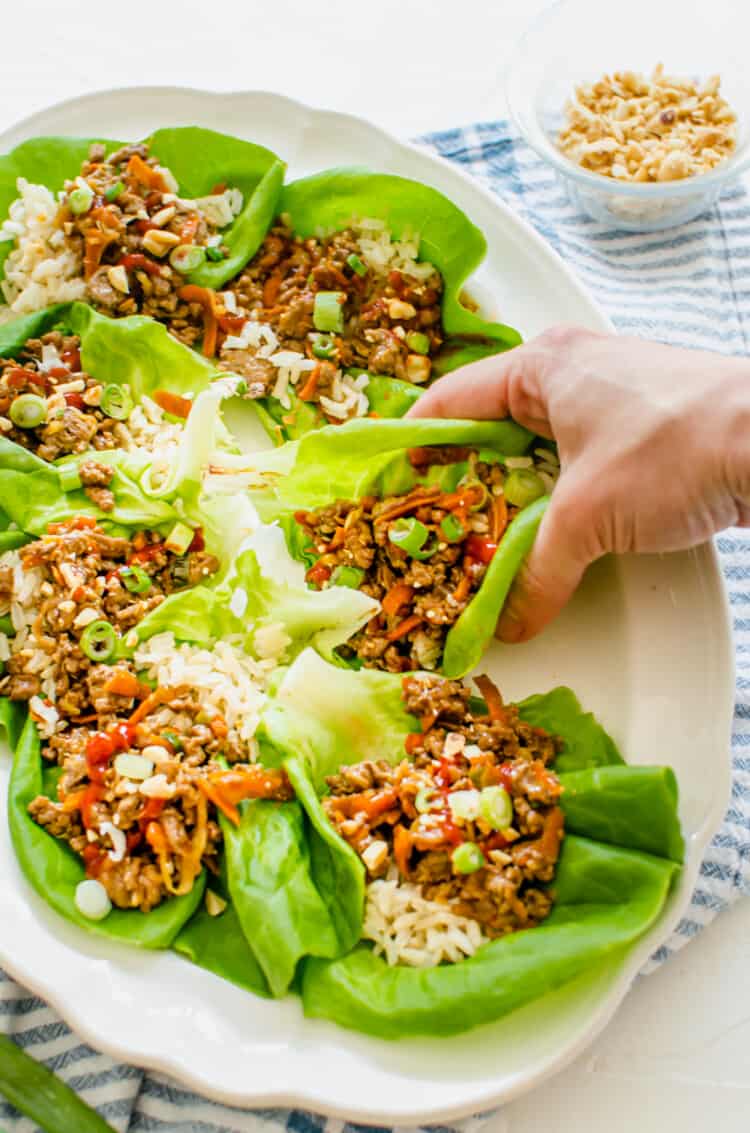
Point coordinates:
[(509, 628)]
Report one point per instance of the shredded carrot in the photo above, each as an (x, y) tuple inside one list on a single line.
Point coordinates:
[(404, 627), (492, 697), (218, 726), (271, 289), (498, 518), (207, 299), (252, 782), (426, 722), (402, 849), (308, 389), (337, 539), (213, 793), (147, 739), (159, 696), (462, 498), (172, 403), (461, 593), (398, 596), (146, 174), (549, 843), (416, 498), (123, 683), (412, 742), (74, 800), (96, 241)]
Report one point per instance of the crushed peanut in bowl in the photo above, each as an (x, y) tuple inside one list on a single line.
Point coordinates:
[(632, 128)]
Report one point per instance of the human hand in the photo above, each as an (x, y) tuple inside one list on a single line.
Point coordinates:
[(653, 445)]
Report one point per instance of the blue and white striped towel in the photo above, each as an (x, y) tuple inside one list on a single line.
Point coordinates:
[(689, 286)]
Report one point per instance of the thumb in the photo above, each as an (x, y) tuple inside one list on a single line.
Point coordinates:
[(550, 575)]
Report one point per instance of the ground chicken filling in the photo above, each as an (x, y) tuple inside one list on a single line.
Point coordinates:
[(471, 818), (137, 239), (142, 770), (422, 555), (352, 299), (52, 407)]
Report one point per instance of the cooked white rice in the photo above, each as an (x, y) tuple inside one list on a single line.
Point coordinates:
[(40, 269), (347, 399), (383, 253), (407, 929), (27, 591), (227, 681)]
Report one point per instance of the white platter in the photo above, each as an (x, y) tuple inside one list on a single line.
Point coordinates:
[(645, 644)]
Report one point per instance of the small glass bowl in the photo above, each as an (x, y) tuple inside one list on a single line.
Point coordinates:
[(576, 41)]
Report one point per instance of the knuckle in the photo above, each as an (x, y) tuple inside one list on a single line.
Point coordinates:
[(563, 336)]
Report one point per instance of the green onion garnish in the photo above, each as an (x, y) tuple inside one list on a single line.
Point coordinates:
[(467, 858), (350, 576), (69, 478), (116, 402), (113, 192), (356, 264), (452, 529), (413, 537), (174, 739), (323, 346), (328, 311), (80, 201), (464, 804), (135, 579), (28, 410), (496, 808), (418, 342), (215, 254), (523, 486), (478, 489), (99, 642), (179, 538), (187, 257)]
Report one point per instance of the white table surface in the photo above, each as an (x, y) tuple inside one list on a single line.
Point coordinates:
[(677, 1055)]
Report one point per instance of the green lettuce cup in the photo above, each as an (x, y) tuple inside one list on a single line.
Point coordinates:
[(331, 201), (405, 468), (199, 159), (620, 857)]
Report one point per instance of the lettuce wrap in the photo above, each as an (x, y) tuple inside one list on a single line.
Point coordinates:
[(328, 202), (198, 159), (367, 458), (620, 857), (202, 616)]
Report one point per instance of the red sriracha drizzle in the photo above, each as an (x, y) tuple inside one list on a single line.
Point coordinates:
[(444, 780), (479, 548)]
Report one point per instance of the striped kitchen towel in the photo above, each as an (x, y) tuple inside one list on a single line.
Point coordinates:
[(689, 286)]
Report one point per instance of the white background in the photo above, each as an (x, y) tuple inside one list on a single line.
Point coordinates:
[(677, 1055)]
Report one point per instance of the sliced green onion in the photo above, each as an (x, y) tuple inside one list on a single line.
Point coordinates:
[(174, 739), (6, 625), (479, 488), (135, 579), (92, 900), (496, 808), (467, 858), (324, 346), (328, 311), (452, 529), (28, 410), (114, 191), (99, 641), (69, 477), (356, 264), (426, 800), (523, 486), (418, 342), (350, 576), (413, 537), (116, 402), (187, 257), (464, 804), (215, 254), (80, 201), (179, 538)]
